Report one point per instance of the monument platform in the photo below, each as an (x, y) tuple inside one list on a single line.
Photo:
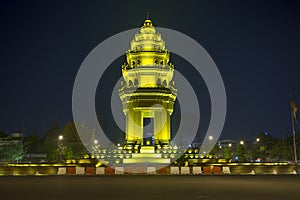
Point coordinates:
[(147, 150), (147, 155), (146, 160)]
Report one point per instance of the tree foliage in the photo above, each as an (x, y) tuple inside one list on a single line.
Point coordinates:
[(12, 152), (227, 153), (240, 153)]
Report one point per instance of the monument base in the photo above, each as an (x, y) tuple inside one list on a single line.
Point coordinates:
[(147, 155)]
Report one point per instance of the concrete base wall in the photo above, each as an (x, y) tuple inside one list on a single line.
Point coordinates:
[(235, 169)]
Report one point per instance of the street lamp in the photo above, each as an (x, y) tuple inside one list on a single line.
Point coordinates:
[(95, 149), (242, 142), (210, 139), (59, 141), (229, 145), (257, 139), (61, 137)]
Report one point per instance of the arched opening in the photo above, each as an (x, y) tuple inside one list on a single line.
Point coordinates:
[(136, 82), (158, 82), (130, 83)]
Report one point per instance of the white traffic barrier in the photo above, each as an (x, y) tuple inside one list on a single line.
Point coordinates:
[(100, 170), (151, 170), (62, 171), (226, 170), (185, 170), (80, 170), (174, 170), (197, 170), (119, 170)]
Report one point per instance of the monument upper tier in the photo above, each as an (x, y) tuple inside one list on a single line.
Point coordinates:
[(147, 61)]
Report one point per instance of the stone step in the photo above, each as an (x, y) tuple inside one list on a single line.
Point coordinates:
[(146, 155), (146, 160), (147, 149)]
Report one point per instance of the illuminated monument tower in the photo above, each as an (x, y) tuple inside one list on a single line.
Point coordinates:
[(147, 92)]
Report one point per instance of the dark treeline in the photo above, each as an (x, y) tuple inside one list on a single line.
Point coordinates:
[(70, 147)]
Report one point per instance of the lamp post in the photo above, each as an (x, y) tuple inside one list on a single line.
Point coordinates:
[(210, 141), (59, 143), (243, 144), (257, 139)]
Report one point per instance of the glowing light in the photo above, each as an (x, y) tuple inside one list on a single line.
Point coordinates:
[(229, 145), (95, 142), (257, 139), (242, 142), (61, 137), (266, 133), (210, 137)]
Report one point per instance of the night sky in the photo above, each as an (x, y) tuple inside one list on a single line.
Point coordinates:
[(255, 44)]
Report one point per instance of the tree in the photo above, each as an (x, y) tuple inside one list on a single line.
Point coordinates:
[(14, 151), (50, 138), (61, 152), (69, 153), (240, 153), (2, 134), (227, 153), (33, 143), (72, 139), (52, 154), (281, 151)]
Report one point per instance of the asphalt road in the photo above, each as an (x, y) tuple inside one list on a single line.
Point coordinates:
[(150, 187)]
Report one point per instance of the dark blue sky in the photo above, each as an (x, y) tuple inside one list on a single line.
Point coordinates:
[(255, 44)]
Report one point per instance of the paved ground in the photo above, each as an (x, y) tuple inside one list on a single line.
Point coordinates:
[(150, 187)]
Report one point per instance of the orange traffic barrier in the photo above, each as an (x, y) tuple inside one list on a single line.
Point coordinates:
[(207, 170), (90, 170), (71, 170), (217, 170), (109, 170), (163, 170)]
